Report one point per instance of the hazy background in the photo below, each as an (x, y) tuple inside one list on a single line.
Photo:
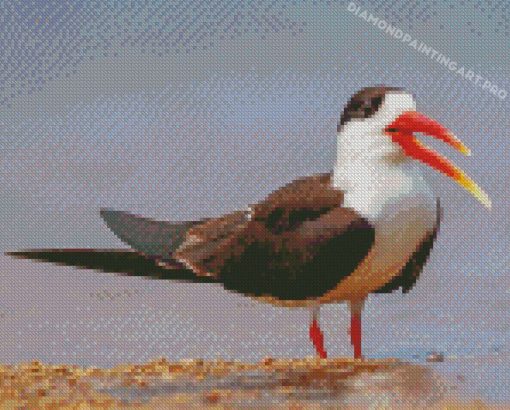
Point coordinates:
[(186, 109)]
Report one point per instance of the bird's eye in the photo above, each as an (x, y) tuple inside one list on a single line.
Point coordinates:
[(356, 105), (389, 129), (376, 102)]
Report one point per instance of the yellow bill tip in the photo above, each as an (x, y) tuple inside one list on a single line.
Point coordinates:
[(475, 190), (485, 200), (465, 150)]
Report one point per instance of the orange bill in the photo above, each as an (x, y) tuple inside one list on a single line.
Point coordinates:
[(402, 132)]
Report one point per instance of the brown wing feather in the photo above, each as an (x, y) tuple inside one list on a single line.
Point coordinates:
[(303, 199), (296, 244), (204, 240)]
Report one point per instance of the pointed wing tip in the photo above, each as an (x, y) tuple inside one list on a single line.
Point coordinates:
[(109, 211), (110, 215), (22, 253)]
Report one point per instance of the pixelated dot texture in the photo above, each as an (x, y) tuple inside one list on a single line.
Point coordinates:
[(189, 109), (49, 40)]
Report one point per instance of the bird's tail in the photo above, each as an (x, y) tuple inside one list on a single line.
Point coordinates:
[(155, 239)]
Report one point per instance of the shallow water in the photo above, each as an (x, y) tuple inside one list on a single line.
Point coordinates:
[(327, 384), (61, 314)]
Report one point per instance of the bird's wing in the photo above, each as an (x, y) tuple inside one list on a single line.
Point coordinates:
[(124, 262), (156, 239), (204, 240), (296, 244)]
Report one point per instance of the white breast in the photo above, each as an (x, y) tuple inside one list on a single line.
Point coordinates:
[(399, 204), (404, 221)]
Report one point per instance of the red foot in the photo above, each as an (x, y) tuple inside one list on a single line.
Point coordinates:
[(317, 339), (356, 334)]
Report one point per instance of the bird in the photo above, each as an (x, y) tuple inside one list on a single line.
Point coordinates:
[(366, 227)]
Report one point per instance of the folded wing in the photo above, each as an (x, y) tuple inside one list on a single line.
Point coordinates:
[(296, 244)]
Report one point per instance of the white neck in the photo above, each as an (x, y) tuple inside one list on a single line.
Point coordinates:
[(374, 173)]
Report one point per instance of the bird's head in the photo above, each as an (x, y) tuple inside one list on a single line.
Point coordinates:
[(383, 121)]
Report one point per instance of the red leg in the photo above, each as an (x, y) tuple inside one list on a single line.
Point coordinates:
[(317, 339), (356, 334)]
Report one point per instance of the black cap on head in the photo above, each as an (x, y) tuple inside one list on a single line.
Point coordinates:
[(365, 103)]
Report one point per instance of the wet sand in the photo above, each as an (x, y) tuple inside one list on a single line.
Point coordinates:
[(270, 383)]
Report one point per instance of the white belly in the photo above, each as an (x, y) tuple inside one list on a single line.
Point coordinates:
[(402, 210), (396, 239)]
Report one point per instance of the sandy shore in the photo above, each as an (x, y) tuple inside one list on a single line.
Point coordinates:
[(299, 383)]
